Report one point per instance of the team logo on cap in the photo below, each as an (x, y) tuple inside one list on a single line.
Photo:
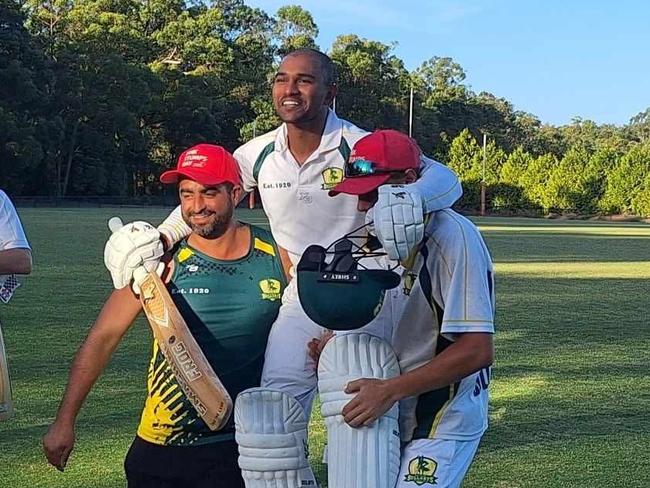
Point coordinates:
[(421, 471), (331, 178), (270, 289)]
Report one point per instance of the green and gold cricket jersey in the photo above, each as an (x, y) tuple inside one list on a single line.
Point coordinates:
[(229, 307)]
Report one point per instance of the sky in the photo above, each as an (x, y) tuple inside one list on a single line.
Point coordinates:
[(555, 59)]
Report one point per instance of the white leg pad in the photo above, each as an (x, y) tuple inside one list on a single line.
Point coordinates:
[(365, 457), (271, 431)]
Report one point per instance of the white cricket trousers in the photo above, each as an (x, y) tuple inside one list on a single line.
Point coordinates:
[(287, 365)]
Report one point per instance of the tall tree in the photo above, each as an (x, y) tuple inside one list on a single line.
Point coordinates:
[(294, 28), (639, 126), (442, 78), (566, 188), (29, 128), (373, 83), (627, 179), (535, 178)]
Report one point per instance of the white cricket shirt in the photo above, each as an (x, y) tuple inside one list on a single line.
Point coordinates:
[(295, 197), (448, 291), (12, 235)]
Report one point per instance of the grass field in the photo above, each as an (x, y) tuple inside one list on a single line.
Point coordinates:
[(570, 395)]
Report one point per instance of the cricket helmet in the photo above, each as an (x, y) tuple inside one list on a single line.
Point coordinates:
[(341, 294)]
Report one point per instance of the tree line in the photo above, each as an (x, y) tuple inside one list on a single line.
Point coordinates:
[(97, 96)]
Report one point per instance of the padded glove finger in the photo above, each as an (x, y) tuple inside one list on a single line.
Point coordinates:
[(399, 219)]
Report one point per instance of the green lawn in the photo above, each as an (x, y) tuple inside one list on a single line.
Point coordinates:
[(570, 395)]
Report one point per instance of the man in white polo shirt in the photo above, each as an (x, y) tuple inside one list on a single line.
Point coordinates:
[(294, 167), (15, 259), (15, 253)]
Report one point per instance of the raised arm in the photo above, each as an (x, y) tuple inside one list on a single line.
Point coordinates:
[(173, 228), (439, 186)]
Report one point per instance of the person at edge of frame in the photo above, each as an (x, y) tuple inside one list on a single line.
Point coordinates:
[(15, 259)]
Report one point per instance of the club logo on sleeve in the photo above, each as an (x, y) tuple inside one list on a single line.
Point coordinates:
[(331, 177), (271, 289), (421, 471)]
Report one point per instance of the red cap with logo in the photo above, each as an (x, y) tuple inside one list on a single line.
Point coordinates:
[(374, 158), (206, 164)]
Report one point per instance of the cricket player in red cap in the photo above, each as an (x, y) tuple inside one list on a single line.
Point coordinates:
[(226, 279), (442, 334)]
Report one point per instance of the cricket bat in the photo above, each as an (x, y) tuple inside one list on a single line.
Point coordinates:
[(6, 406), (193, 372)]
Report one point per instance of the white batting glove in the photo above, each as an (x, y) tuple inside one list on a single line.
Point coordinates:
[(399, 220), (130, 247), (140, 273)]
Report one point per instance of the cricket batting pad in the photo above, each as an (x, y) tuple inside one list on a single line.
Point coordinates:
[(6, 406), (271, 431), (193, 372), (363, 457)]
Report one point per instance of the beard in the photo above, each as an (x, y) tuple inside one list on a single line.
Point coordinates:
[(215, 227)]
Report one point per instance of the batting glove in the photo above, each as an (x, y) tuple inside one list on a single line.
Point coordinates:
[(140, 273), (399, 220), (130, 247)]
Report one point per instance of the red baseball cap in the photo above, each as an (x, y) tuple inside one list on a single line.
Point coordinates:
[(373, 158), (206, 164)]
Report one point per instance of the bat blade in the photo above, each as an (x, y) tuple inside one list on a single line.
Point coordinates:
[(6, 405), (193, 372)]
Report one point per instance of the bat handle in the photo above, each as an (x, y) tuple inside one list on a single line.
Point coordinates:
[(115, 223)]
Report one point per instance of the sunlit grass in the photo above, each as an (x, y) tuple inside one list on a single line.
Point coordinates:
[(570, 392)]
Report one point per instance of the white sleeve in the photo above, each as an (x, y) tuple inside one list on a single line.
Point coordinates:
[(245, 169), (12, 235), (439, 186), (174, 227), (463, 276)]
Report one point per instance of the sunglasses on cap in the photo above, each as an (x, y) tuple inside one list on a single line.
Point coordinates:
[(363, 167)]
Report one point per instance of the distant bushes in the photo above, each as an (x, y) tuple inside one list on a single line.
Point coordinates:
[(585, 180)]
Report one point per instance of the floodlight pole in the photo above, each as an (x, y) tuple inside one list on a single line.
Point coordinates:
[(483, 175), (411, 113), (334, 105)]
